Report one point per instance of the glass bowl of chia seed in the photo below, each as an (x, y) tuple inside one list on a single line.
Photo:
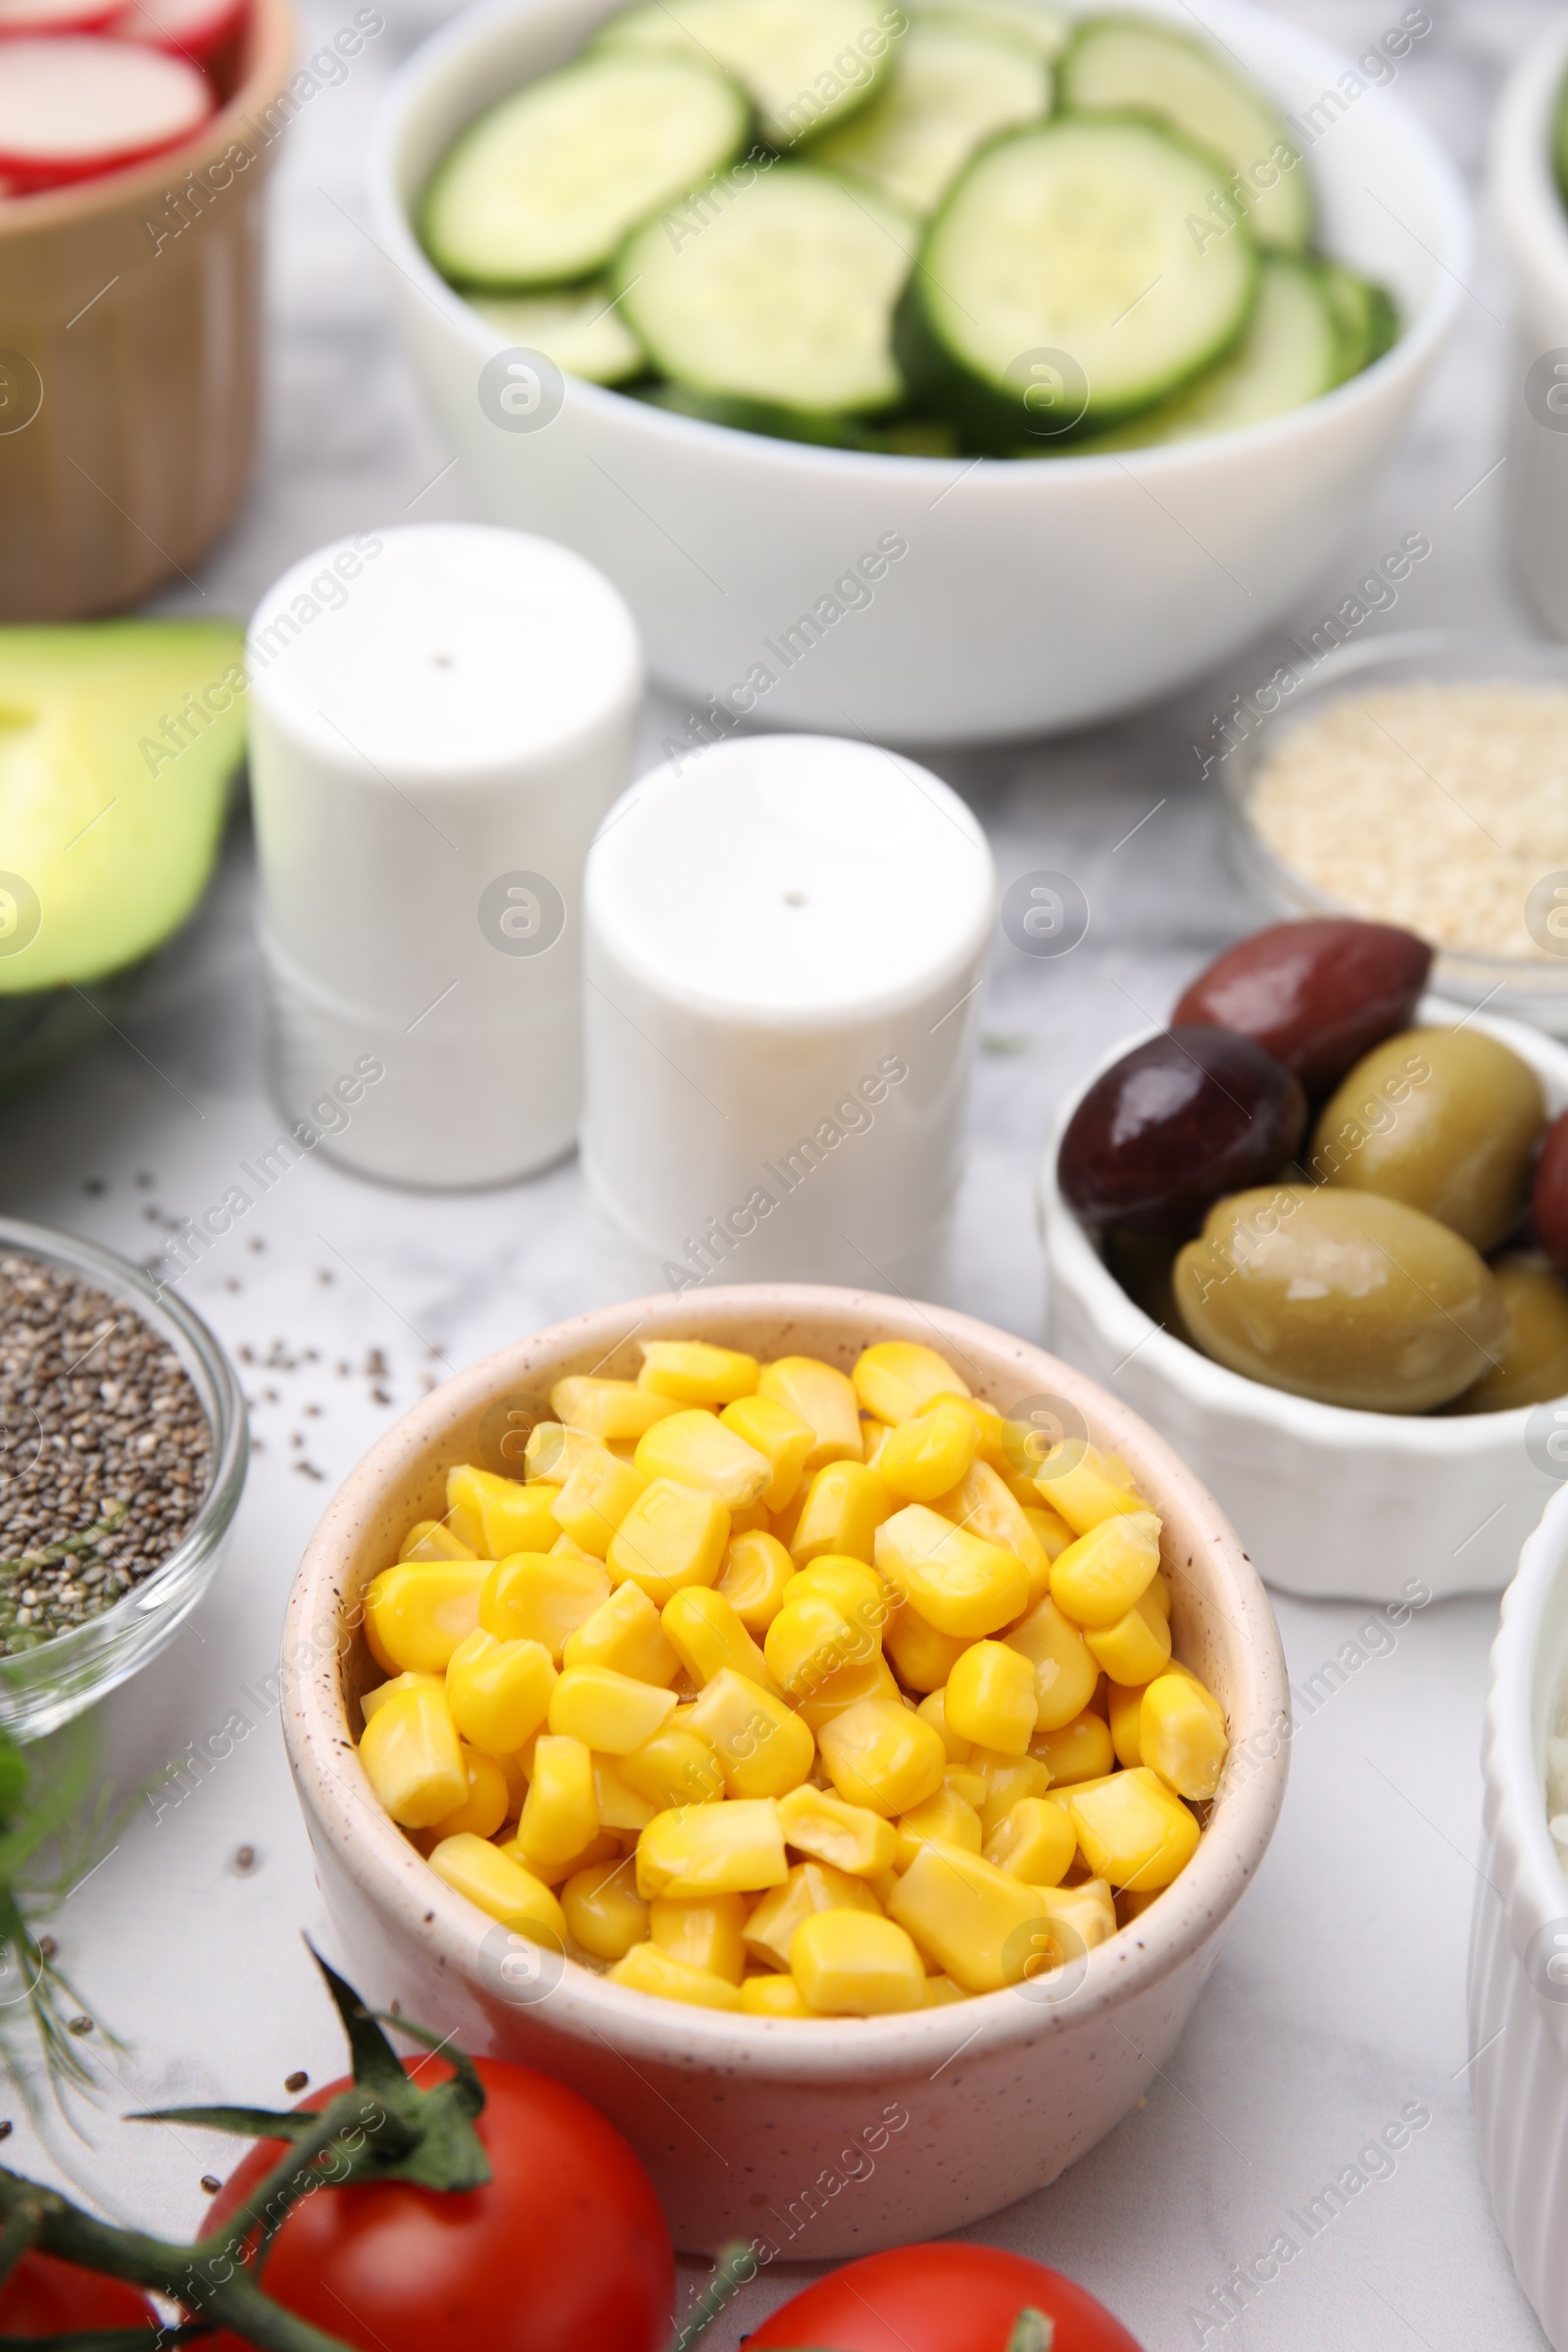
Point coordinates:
[(123, 1449)]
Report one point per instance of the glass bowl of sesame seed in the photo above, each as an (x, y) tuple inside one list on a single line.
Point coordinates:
[(123, 1454), (1418, 779)]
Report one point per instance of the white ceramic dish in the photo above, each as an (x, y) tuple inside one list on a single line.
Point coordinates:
[(740, 2120), (1519, 1936), (1329, 1502), (1033, 595), (1533, 225)]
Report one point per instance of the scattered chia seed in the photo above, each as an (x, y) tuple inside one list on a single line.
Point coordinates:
[(210, 2184), (105, 1451), (297, 2081)]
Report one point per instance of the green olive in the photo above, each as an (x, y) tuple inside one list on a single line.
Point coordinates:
[(1342, 1296), (1531, 1364), (1441, 1120)]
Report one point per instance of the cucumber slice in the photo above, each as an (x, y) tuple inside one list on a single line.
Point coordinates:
[(1367, 320), (783, 298), (805, 64), (1043, 30), (581, 328), (1063, 264), (950, 93), (545, 187), (1119, 64), (1290, 354)]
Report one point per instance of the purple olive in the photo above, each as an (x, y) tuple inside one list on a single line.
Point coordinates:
[(1174, 1126), (1318, 993), (1548, 1198)]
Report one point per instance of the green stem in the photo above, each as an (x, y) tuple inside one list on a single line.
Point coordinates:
[(1032, 2333), (736, 2268), (20, 2231), (295, 2175)]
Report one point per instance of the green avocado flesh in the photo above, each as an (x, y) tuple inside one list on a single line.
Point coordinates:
[(118, 740)]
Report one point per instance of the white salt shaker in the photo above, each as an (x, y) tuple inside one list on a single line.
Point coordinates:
[(440, 716), (784, 944)]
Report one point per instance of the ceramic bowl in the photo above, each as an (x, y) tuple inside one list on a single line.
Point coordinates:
[(130, 336), (1329, 1503), (1027, 596), (819, 2138), (1531, 217), (1519, 1936)]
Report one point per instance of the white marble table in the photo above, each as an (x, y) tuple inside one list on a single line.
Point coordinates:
[(1341, 1993)]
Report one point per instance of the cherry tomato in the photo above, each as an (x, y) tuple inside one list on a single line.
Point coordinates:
[(565, 2249), (938, 2298), (46, 2297)]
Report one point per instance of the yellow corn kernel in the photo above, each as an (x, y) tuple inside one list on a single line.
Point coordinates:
[(1134, 1831), (416, 1613), (757, 1569), (1119, 1471), (561, 1813), (625, 1633), (779, 1435), (376, 1698), (814, 1652), (647, 1968), (1066, 1669), (542, 1597), (675, 1768), (695, 1372), (595, 1499), (1131, 1905), (553, 1451), (1137, 1646), (601, 1907), (566, 1548), (974, 1919), (1007, 1780), (618, 1412), (991, 1698), (940, 1991), (957, 1582), (897, 1378), (1080, 1486), (609, 1712), (1049, 1528), (947, 1817), (1123, 1709), (1074, 1920), (1034, 1841), (845, 1506), (829, 1703), (499, 1691), (502, 1513), (616, 1802), (983, 1503), (706, 1635), (674, 1536), (853, 1585), (811, 1887), (412, 1758), (703, 1931), (502, 1887), (934, 1711), (484, 1808), (734, 1848), (970, 1782), (764, 1749), (773, 1996), (823, 1399), (603, 1847), (850, 1837), (1181, 1734), (432, 1539), (930, 1453), (696, 1450), (1162, 1590), (874, 1434), (1104, 1573), (1080, 1751), (879, 1753), (849, 1964)]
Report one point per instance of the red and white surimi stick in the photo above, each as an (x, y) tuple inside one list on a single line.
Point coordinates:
[(72, 108), (198, 30), (22, 18)]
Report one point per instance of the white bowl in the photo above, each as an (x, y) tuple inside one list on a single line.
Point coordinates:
[(1534, 226), (1033, 595), (1329, 1501), (881, 2129), (1519, 1935)]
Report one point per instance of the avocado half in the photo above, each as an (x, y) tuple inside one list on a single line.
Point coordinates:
[(118, 740)]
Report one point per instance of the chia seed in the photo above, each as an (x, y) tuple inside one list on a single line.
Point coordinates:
[(105, 1451)]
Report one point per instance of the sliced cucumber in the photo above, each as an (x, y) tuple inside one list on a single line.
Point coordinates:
[(581, 328), (950, 93), (1119, 64), (806, 63), (1043, 30), (546, 186), (1289, 355), (1367, 320), (1061, 270), (784, 298)]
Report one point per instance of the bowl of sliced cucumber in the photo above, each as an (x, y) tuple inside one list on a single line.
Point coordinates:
[(951, 370)]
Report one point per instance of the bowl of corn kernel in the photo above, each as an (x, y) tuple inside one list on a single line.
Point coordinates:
[(828, 1732)]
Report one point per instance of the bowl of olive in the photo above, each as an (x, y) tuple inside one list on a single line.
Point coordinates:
[(1317, 1230)]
